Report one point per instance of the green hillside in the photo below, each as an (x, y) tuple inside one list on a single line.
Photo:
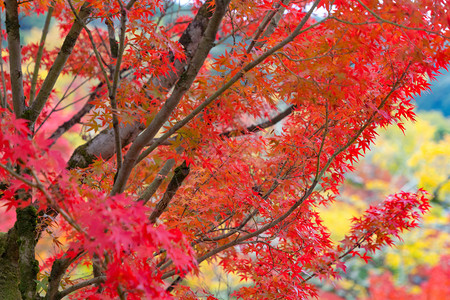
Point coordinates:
[(439, 96)]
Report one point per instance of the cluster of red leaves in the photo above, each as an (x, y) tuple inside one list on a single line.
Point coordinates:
[(94, 223), (379, 226), (18, 152), (129, 242), (292, 265)]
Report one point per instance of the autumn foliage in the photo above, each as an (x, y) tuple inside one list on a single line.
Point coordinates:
[(435, 284), (209, 136)]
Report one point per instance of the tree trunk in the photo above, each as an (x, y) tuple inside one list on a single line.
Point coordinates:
[(18, 265), (9, 266)]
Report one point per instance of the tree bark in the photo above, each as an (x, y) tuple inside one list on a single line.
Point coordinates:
[(9, 266), (15, 56)]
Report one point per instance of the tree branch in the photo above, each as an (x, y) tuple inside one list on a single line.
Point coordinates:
[(267, 18), (272, 18), (59, 268), (80, 114), (37, 62), (80, 285), (162, 174), (181, 87), (115, 86), (103, 145), (399, 25), (261, 126), (113, 45), (174, 284), (94, 47), (15, 56), (180, 174), (156, 183)]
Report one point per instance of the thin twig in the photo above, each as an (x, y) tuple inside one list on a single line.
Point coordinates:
[(400, 25), (94, 47), (56, 109), (115, 85), (322, 143), (38, 60), (4, 103), (80, 285)]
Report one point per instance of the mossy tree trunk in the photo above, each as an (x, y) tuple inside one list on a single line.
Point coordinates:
[(18, 266), (9, 266)]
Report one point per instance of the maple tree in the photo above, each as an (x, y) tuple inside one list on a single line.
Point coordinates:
[(242, 193)]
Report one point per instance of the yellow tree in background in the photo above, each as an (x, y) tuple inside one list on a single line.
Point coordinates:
[(419, 158)]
